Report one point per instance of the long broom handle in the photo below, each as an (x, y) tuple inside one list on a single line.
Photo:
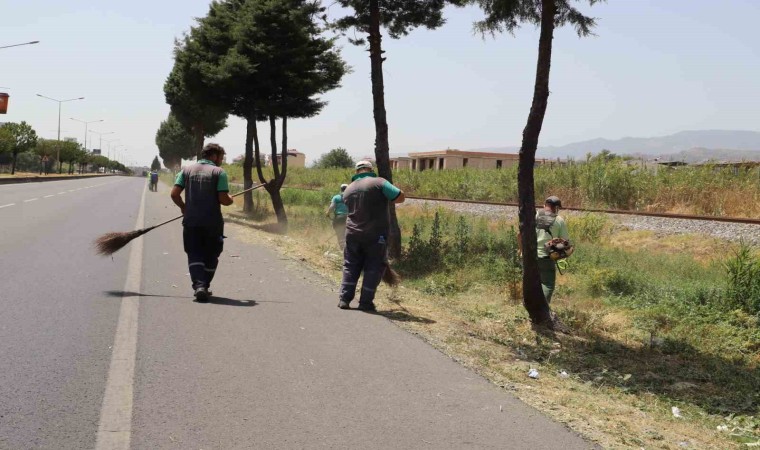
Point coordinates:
[(179, 217)]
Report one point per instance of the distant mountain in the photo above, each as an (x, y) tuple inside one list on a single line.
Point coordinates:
[(711, 144)]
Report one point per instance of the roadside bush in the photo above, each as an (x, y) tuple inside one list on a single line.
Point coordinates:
[(743, 281)]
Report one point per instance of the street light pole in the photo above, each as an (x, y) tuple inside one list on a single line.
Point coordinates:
[(58, 147), (86, 122), (101, 137), (17, 45), (109, 142)]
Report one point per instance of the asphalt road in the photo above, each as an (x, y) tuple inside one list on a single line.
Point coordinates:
[(271, 362)]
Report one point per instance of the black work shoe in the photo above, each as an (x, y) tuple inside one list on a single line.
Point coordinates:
[(201, 295), (343, 304), (368, 307)]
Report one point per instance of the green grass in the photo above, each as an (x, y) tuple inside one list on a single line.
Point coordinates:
[(680, 323), (596, 183)]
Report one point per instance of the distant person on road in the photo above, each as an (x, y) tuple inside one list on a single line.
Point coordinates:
[(154, 181), (206, 189), (368, 198), (549, 226), (339, 212)]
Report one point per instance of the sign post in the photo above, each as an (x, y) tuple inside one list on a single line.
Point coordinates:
[(4, 102)]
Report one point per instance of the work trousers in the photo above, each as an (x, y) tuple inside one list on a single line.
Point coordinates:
[(368, 255), (203, 246), (547, 269), (339, 225)]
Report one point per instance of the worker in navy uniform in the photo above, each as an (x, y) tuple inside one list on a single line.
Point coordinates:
[(206, 188), (368, 199)]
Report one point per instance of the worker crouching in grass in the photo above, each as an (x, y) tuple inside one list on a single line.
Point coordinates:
[(368, 198), (206, 189), (339, 211)]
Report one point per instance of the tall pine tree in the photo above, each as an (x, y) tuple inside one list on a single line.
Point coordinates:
[(508, 15)]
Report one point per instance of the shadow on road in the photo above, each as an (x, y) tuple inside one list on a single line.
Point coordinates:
[(231, 302), (404, 316), (139, 294)]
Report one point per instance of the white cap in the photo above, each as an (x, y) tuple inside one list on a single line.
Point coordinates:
[(364, 164)]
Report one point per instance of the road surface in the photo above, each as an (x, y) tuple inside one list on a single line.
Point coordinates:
[(113, 353)]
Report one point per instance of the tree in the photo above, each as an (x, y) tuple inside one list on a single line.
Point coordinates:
[(174, 142), (99, 161), (155, 165), (399, 18), (275, 63), (70, 153), (45, 150), (17, 138), (337, 157), (191, 99), (508, 15)]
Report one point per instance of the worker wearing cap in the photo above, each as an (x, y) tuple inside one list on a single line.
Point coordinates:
[(549, 225), (368, 198), (339, 212), (206, 189)]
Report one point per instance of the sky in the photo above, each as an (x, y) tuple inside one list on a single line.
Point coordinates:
[(653, 68)]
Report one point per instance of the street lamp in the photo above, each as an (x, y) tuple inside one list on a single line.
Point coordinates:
[(16, 45), (86, 122), (59, 121), (109, 142), (101, 137)]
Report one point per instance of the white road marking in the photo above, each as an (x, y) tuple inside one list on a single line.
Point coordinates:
[(48, 196), (31, 199), (61, 193), (115, 429), (5, 206)]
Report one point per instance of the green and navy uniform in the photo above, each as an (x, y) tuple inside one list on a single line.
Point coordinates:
[(340, 214), (547, 268), (203, 234), (367, 199)]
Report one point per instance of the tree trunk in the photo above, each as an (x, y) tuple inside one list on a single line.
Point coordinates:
[(533, 296), (42, 165), (382, 147), (248, 165), (13, 163), (274, 187), (198, 133)]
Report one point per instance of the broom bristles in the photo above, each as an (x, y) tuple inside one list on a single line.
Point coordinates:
[(111, 243), (391, 277)]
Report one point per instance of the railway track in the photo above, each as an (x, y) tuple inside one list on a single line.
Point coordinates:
[(740, 220)]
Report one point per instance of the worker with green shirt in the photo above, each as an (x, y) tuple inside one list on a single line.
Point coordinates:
[(368, 199), (339, 212), (206, 189), (549, 225)]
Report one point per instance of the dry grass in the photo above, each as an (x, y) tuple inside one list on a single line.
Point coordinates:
[(606, 396)]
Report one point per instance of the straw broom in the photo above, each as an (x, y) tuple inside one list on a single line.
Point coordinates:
[(111, 243)]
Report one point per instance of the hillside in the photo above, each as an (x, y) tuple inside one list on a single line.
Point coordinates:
[(690, 145)]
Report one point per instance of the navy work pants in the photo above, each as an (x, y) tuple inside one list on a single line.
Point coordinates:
[(363, 255), (203, 246)]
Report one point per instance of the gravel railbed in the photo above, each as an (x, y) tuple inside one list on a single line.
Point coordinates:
[(660, 225)]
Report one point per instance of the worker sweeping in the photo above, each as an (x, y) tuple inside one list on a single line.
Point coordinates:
[(368, 198), (339, 212), (206, 189)]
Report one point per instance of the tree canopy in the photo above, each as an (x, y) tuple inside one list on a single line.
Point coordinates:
[(174, 142), (17, 138), (156, 164), (337, 157)]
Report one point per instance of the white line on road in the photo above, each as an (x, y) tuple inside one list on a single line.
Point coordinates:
[(48, 196), (31, 199), (61, 193), (5, 206), (115, 429), (72, 190)]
